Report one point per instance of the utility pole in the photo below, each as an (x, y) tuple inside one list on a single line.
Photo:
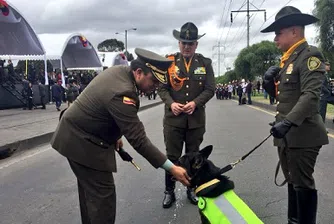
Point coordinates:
[(248, 16), (218, 46), (126, 39)]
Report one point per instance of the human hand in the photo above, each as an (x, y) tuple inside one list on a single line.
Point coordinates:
[(119, 144), (177, 108), (189, 107), (280, 129), (180, 174), (271, 73)]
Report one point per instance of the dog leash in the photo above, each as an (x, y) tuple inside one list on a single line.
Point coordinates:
[(232, 165)]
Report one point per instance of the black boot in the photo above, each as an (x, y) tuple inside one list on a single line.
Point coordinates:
[(307, 202), (169, 198), (192, 196), (292, 205)]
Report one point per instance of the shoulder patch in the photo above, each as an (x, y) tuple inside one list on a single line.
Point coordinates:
[(129, 101), (313, 63)]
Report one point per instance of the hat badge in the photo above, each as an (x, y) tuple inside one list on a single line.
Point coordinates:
[(187, 34)]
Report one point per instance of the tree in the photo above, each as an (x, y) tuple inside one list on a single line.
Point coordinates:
[(227, 77), (256, 59), (111, 45), (324, 11), (114, 45)]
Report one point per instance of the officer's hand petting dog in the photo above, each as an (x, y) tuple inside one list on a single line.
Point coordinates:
[(180, 174), (280, 129)]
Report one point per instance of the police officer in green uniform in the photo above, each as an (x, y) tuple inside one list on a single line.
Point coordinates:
[(190, 86), (89, 132), (298, 131)]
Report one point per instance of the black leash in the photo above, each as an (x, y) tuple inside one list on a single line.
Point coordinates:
[(232, 165), (282, 151)]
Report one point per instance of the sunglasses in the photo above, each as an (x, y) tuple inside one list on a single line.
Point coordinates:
[(188, 43)]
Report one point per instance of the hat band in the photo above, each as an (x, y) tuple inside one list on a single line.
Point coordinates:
[(155, 69), (158, 73)]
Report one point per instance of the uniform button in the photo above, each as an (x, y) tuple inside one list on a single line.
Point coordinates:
[(187, 78), (278, 82), (277, 103), (287, 80), (200, 77), (277, 112), (187, 94), (200, 83), (187, 102), (101, 143), (187, 86), (278, 93)]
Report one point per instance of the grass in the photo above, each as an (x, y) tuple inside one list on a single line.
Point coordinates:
[(260, 98)]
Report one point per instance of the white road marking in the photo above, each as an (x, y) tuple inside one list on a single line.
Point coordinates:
[(20, 159)]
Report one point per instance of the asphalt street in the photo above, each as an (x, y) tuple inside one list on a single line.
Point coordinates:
[(38, 187)]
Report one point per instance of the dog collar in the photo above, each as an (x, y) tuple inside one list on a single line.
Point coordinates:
[(207, 184)]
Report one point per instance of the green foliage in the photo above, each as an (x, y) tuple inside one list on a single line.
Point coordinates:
[(111, 45), (324, 11), (256, 59), (228, 77)]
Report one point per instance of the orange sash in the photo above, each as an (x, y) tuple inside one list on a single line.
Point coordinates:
[(175, 81)]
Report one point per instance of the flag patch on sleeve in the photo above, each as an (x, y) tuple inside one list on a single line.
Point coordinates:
[(129, 101)]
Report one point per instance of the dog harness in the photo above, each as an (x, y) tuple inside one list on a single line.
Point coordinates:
[(227, 208)]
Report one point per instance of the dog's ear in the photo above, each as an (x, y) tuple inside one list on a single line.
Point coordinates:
[(206, 151)]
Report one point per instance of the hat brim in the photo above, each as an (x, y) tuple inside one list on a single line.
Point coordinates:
[(176, 34), (290, 20)]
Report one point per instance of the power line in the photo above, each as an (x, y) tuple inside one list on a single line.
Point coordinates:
[(221, 19), (248, 16), (270, 18), (229, 7), (228, 32)]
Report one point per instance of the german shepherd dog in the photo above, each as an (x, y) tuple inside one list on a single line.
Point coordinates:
[(202, 170)]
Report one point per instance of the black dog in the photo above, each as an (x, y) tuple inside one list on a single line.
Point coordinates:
[(201, 170)]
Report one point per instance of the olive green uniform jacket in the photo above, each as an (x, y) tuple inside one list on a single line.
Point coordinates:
[(298, 98), (199, 87), (103, 112)]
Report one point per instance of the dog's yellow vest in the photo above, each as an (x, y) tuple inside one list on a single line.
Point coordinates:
[(227, 208)]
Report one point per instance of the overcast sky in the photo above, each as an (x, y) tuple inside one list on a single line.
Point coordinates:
[(155, 20)]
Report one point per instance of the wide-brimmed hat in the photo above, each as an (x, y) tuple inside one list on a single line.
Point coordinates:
[(159, 65), (289, 16), (188, 33)]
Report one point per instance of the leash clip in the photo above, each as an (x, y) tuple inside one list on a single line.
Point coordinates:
[(235, 163)]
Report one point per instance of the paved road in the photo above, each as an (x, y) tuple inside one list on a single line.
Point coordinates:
[(38, 186), (17, 124)]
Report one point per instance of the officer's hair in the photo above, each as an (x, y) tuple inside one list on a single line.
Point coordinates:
[(135, 64)]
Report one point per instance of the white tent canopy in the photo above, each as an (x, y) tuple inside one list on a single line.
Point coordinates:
[(17, 37), (112, 58), (69, 51)]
